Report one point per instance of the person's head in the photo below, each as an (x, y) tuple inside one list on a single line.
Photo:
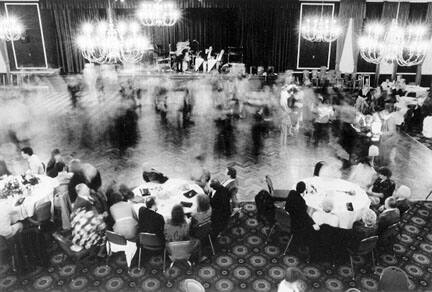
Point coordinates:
[(301, 187), (126, 192), (26, 152), (369, 217), (75, 165), (384, 173), (82, 190), (403, 192), (327, 205), (293, 274), (390, 203), (318, 167), (203, 203), (177, 215), (55, 154), (151, 203), (114, 198), (231, 172)]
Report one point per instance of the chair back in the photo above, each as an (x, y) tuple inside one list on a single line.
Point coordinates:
[(191, 285), (269, 184), (115, 238), (393, 279), (43, 212), (150, 241), (352, 290), (367, 245), (203, 230), (390, 232), (283, 219), (64, 243), (179, 250)]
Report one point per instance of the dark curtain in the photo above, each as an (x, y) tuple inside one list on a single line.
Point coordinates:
[(355, 9), (267, 30)]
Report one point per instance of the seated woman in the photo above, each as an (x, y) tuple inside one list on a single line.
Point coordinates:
[(203, 214), (365, 228), (177, 227), (325, 216), (123, 216), (389, 214), (382, 188), (402, 196), (88, 229)]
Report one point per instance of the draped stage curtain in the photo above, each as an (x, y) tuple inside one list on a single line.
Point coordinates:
[(355, 9), (267, 30)]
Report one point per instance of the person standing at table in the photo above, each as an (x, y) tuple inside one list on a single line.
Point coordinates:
[(149, 221), (220, 202), (231, 184), (35, 165), (382, 188)]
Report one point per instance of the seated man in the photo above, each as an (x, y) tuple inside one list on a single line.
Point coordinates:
[(35, 165), (365, 228), (402, 195), (382, 188), (325, 216), (149, 221), (389, 214)]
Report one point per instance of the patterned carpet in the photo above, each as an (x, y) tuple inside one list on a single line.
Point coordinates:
[(242, 263)]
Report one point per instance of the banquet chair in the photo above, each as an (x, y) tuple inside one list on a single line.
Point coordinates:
[(150, 241), (179, 251), (283, 222), (365, 247), (388, 235), (279, 193), (8, 247), (41, 215), (191, 285), (393, 279), (117, 243), (202, 232), (66, 244)]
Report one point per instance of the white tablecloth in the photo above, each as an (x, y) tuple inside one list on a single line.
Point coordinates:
[(169, 194), (337, 190), (42, 192)]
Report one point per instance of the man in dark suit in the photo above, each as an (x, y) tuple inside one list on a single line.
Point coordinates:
[(389, 215), (221, 207), (150, 221)]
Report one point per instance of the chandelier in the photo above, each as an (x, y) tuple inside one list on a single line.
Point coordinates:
[(405, 46), (158, 13), (11, 29), (320, 28), (106, 42)]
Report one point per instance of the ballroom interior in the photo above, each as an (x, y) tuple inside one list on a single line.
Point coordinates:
[(215, 145)]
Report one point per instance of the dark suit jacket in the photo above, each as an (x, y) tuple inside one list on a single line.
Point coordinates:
[(387, 218), (360, 231), (296, 206), (221, 208), (151, 222), (403, 206)]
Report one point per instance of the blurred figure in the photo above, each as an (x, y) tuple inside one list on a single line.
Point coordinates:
[(35, 165), (55, 164), (74, 88), (294, 281), (100, 88), (325, 216)]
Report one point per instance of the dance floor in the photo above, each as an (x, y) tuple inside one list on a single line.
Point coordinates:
[(48, 121), (242, 263)]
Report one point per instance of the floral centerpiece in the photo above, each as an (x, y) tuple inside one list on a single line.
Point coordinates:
[(16, 186)]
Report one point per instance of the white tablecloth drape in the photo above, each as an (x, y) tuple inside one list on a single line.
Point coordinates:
[(338, 190), (169, 194), (42, 192)]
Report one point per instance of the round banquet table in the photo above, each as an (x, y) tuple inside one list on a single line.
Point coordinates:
[(167, 195), (338, 191), (42, 192)]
